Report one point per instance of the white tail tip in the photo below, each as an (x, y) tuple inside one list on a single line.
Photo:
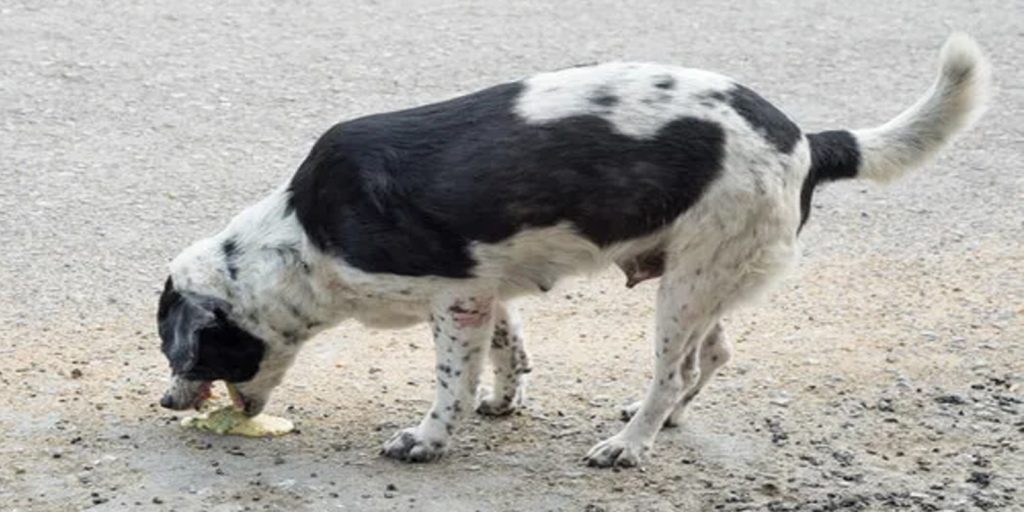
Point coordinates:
[(955, 101)]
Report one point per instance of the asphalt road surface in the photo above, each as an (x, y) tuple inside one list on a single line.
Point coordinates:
[(883, 374)]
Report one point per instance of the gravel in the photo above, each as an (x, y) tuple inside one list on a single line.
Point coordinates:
[(884, 374)]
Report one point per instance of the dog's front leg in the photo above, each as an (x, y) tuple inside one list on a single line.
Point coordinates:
[(462, 328), (252, 395), (511, 364)]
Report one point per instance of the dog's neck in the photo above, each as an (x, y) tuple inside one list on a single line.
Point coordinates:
[(261, 265)]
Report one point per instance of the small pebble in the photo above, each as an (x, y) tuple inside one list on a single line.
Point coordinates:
[(781, 399)]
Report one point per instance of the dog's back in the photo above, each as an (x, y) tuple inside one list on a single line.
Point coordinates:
[(593, 164), (613, 153)]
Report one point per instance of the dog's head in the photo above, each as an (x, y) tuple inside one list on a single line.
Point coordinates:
[(203, 344)]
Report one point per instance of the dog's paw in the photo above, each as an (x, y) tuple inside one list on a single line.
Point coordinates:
[(628, 411), (409, 446), (615, 451), (490, 404)]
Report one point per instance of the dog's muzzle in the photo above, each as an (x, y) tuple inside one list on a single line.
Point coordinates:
[(185, 394)]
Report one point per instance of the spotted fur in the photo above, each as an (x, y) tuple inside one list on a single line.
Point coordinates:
[(445, 213)]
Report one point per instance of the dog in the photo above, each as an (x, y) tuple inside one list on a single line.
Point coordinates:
[(444, 213)]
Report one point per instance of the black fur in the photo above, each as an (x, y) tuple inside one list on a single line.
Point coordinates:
[(407, 192), (230, 250), (769, 121), (834, 155), (201, 342), (716, 95), (604, 98), (665, 82)]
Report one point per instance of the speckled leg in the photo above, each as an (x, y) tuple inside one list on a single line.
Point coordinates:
[(511, 364), (683, 320), (462, 327), (715, 352)]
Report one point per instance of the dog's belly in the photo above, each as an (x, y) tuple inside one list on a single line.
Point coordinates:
[(535, 259), (393, 316)]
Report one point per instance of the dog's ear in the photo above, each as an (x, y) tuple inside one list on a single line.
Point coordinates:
[(180, 318), (228, 352)]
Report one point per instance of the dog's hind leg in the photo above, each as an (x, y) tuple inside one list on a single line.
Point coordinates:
[(687, 309), (510, 362), (715, 351), (700, 284)]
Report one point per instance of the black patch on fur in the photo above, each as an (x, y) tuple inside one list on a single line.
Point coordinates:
[(230, 251), (712, 97), (769, 121), (290, 337), (295, 311), (661, 97), (201, 342), (834, 155), (665, 82), (604, 98), (407, 192)]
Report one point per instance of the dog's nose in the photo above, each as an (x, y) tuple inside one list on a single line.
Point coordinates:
[(167, 402)]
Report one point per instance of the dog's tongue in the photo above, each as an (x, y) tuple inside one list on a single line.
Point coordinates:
[(203, 395)]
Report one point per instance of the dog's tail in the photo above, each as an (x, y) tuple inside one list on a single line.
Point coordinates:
[(955, 100)]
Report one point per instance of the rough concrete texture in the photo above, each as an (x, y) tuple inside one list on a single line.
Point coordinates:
[(883, 374)]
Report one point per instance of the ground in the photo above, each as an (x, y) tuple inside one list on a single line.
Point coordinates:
[(884, 373)]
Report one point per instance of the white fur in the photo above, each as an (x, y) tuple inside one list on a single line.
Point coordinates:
[(958, 97), (639, 112), (715, 352)]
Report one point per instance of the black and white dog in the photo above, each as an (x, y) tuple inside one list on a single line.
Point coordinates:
[(446, 212)]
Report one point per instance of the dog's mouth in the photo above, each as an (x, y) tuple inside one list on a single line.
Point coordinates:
[(203, 394), (194, 395), (185, 394)]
